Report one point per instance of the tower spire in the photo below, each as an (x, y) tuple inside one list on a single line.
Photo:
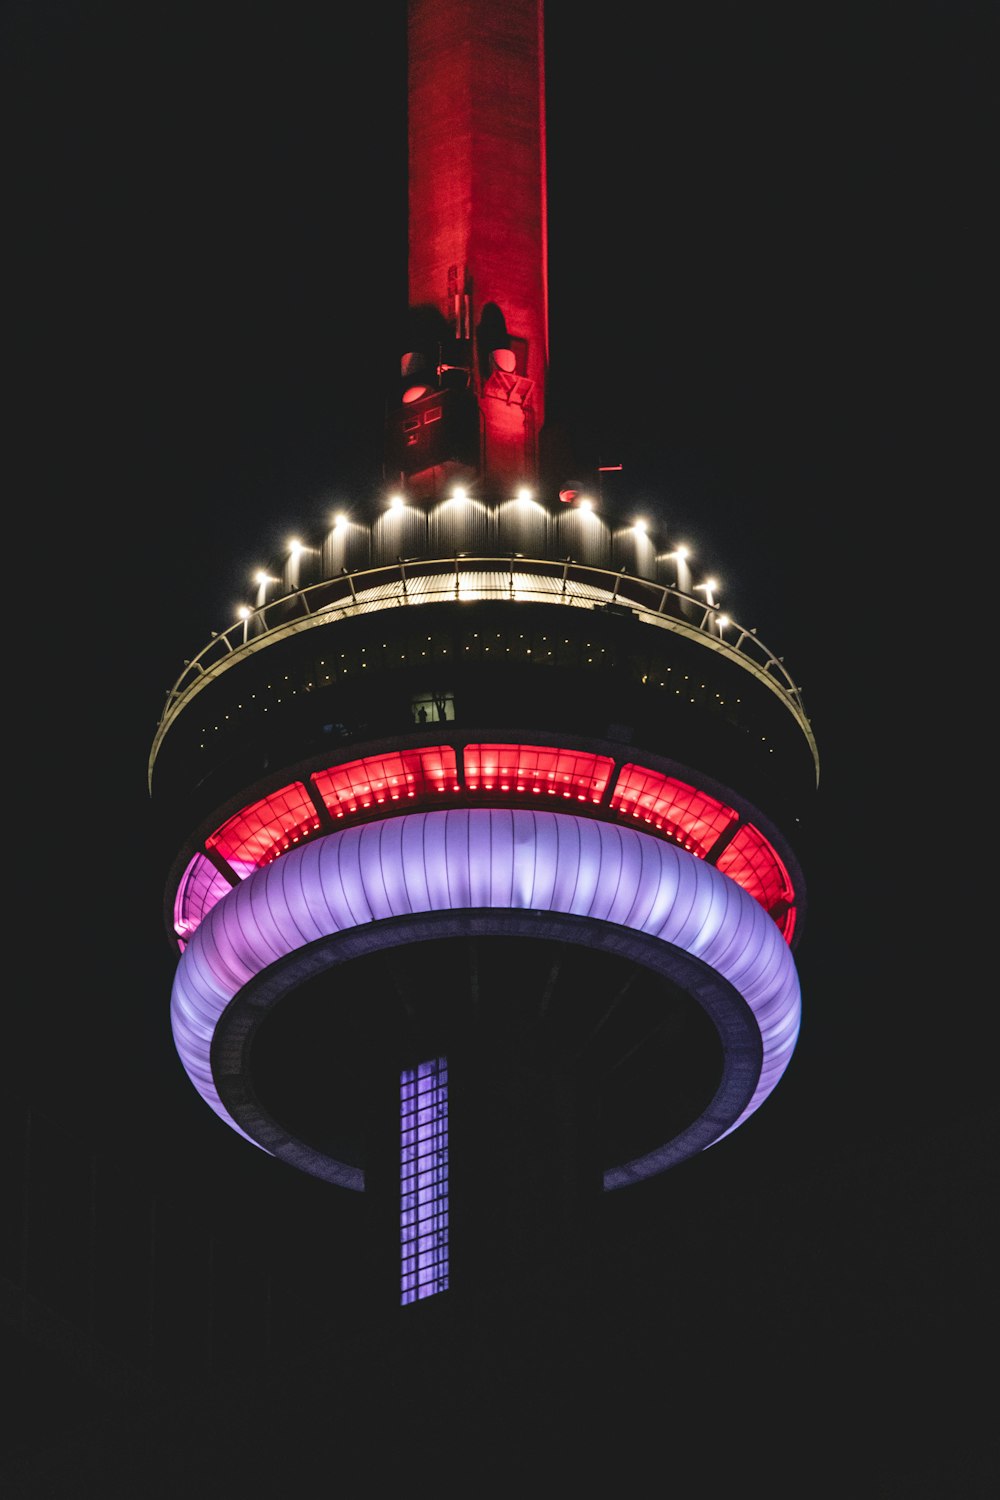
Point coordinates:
[(485, 800), (473, 375)]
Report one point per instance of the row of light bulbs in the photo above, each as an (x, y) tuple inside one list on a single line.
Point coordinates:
[(398, 502)]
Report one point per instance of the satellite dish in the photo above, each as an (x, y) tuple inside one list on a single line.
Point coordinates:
[(571, 490), (413, 369)]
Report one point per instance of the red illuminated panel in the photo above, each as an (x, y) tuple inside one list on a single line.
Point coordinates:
[(401, 776), (538, 770), (681, 813), (754, 864), (784, 920), (265, 829)]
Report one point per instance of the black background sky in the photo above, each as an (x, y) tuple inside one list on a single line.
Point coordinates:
[(767, 300)]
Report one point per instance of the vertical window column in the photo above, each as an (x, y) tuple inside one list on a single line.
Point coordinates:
[(423, 1177)]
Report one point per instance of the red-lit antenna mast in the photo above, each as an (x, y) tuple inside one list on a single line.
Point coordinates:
[(482, 801), (473, 375)]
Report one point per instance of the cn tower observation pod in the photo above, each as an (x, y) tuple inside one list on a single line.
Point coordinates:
[(483, 809), (420, 759)]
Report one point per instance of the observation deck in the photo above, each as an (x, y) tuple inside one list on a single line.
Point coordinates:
[(351, 604), (484, 793), (404, 679)]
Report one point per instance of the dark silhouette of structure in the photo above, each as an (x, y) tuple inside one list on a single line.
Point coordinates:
[(484, 781)]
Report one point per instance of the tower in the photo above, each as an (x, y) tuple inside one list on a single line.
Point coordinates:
[(484, 801)]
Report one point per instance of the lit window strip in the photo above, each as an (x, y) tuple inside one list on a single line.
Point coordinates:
[(264, 830), (680, 813), (537, 769), (423, 1180), (393, 777)]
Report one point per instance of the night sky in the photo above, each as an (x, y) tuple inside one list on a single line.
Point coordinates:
[(768, 276)]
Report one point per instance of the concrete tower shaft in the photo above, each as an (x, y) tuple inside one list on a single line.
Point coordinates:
[(477, 236), (485, 782)]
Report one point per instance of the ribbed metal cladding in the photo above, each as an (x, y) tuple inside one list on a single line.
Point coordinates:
[(303, 566), (633, 551), (398, 533), (348, 545), (460, 525), (673, 570), (584, 536), (523, 526)]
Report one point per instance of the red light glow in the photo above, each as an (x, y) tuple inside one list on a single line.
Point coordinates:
[(265, 829), (537, 770), (399, 781), (684, 815), (381, 780), (753, 863)]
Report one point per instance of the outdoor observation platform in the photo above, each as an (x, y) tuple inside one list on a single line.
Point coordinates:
[(512, 687)]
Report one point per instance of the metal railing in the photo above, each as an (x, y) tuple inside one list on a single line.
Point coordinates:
[(414, 581)]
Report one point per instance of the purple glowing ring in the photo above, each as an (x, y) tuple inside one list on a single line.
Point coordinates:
[(479, 870)]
